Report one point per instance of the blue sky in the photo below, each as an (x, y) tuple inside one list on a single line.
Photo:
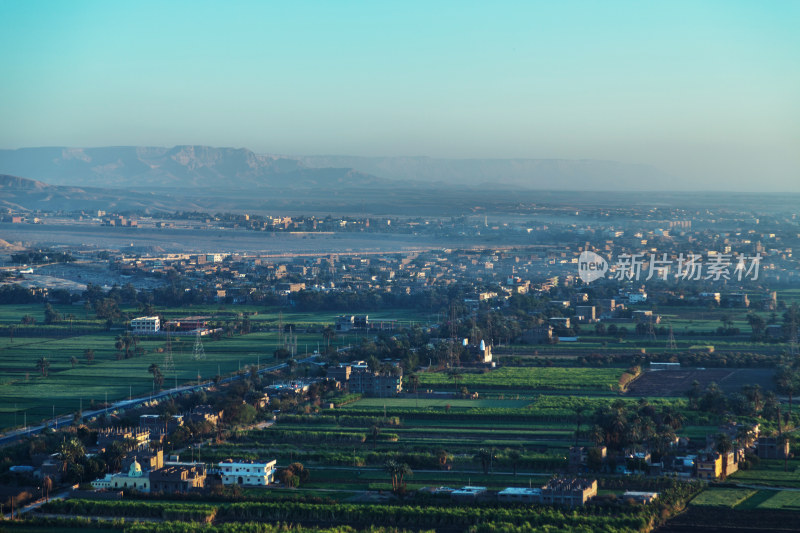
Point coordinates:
[(705, 90)]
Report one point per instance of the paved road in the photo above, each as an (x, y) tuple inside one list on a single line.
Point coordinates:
[(38, 503), (15, 435)]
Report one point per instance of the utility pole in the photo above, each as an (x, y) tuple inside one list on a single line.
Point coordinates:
[(651, 332)]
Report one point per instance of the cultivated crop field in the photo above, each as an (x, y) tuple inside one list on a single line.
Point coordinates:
[(495, 411), (743, 499), (678, 382), (457, 404), (26, 395), (781, 499), (770, 472), (718, 497), (528, 378), (24, 389)]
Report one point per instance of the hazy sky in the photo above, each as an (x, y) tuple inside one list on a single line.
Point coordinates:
[(709, 91)]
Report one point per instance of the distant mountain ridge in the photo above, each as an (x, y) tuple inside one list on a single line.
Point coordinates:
[(543, 174), (177, 167), (203, 167), (22, 194)]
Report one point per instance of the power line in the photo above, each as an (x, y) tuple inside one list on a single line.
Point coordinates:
[(199, 353), (169, 363), (671, 344)]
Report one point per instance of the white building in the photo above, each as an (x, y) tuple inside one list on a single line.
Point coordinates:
[(145, 325), (247, 472), (136, 479), (520, 495), (637, 297), (469, 493)]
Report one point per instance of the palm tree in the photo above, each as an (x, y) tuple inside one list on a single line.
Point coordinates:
[(694, 394), (114, 455), (757, 324), (744, 435), (786, 437), (414, 379), (672, 418), (646, 429), (165, 417), (403, 471), (514, 456), (723, 444), (158, 378), (442, 456), (661, 441), (787, 381), (123, 344), (328, 333), (617, 429), (754, 396), (455, 375), (397, 472), (392, 468), (47, 486), (484, 455), (42, 365), (70, 451), (598, 436), (579, 410), (375, 432)]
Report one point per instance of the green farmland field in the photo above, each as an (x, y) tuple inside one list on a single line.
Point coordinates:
[(24, 390), (26, 395), (508, 378), (770, 472), (781, 499), (715, 497), (456, 404)]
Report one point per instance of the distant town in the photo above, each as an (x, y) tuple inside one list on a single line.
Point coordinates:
[(474, 369)]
